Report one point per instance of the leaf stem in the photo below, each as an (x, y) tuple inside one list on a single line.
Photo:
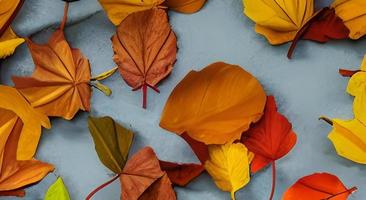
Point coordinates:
[(64, 19), (330, 122), (273, 180), (350, 191), (144, 92), (90, 195)]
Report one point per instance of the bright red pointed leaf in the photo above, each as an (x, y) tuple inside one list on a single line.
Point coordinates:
[(269, 139), (322, 27), (322, 186)]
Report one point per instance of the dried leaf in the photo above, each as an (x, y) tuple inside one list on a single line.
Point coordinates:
[(278, 21), (214, 105), (185, 6), (57, 191), (322, 186), (181, 173), (145, 60), (15, 174), (112, 142), (13, 107), (160, 190), (271, 138), (228, 165), (349, 139), (353, 14), (8, 42), (118, 10), (142, 172)]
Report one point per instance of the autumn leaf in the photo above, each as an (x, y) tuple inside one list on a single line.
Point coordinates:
[(60, 83), (145, 60), (183, 173), (185, 6), (8, 42), (57, 191), (322, 186), (214, 105), (142, 177), (228, 166), (353, 14), (349, 139), (112, 142), (118, 10), (278, 21), (270, 139), (14, 107), (321, 27), (16, 174)]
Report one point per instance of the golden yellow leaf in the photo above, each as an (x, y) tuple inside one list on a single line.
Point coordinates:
[(8, 42), (349, 139), (353, 14), (278, 21), (228, 165), (11, 100), (118, 10)]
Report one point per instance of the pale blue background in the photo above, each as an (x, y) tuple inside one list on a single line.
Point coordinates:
[(305, 88)]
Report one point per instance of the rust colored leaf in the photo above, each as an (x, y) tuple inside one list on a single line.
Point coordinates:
[(15, 193), (269, 139), (182, 174), (142, 174), (145, 49), (59, 86), (322, 186), (322, 27)]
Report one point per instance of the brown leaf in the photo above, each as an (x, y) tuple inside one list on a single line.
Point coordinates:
[(145, 49), (181, 174), (160, 190)]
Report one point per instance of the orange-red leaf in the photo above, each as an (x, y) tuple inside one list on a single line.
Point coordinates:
[(318, 186), (141, 173), (181, 174), (8, 11), (59, 86), (145, 49), (185, 6), (269, 139)]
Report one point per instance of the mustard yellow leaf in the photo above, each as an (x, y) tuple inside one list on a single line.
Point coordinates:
[(278, 21), (118, 10), (8, 42), (349, 139), (353, 14), (228, 165)]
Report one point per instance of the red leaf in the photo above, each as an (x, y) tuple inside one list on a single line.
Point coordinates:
[(322, 27), (322, 186), (16, 193), (181, 174), (199, 148), (347, 73)]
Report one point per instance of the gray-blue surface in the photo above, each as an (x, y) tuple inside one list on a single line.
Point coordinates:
[(305, 88)]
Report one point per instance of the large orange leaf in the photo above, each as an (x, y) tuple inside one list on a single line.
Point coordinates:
[(15, 174), (270, 139), (8, 11), (142, 177), (318, 186), (60, 83), (214, 105), (145, 49), (14, 107)]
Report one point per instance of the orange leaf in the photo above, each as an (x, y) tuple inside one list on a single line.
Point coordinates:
[(59, 86), (214, 105), (142, 176), (322, 186), (185, 6), (8, 10), (145, 49)]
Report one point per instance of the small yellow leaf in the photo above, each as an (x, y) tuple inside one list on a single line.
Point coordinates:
[(353, 14), (229, 166), (118, 10), (349, 139), (278, 21), (8, 42)]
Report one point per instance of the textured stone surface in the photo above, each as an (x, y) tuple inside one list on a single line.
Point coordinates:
[(305, 88)]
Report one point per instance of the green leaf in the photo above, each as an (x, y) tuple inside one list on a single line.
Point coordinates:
[(57, 191), (112, 142)]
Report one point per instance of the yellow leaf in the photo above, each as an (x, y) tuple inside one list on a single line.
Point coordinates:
[(349, 139), (353, 14), (357, 88), (12, 100), (278, 21), (8, 42), (228, 165), (118, 10)]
